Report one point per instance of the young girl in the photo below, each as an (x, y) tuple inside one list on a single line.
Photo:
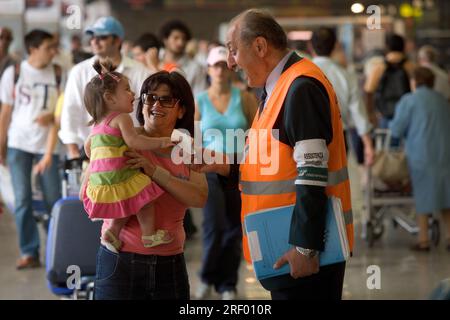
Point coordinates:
[(111, 190)]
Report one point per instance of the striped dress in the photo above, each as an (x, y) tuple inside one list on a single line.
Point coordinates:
[(114, 191)]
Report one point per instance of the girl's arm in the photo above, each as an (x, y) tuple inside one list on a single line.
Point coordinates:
[(192, 193), (137, 141)]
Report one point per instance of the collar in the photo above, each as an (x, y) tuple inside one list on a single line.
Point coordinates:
[(125, 63), (276, 73)]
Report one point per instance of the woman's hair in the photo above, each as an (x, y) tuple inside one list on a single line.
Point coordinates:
[(423, 76), (179, 88), (106, 80)]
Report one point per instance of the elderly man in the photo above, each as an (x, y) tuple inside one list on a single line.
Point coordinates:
[(107, 35), (299, 103), (428, 57)]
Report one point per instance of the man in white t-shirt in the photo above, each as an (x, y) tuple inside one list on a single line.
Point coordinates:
[(28, 92), (107, 35)]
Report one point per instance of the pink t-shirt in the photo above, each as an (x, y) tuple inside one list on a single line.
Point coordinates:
[(169, 214)]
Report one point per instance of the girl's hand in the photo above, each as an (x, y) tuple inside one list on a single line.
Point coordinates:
[(43, 165), (167, 142), (138, 161)]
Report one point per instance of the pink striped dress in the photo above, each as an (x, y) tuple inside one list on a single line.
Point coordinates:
[(113, 190)]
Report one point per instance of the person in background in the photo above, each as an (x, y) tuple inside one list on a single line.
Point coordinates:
[(175, 36), (428, 58), (76, 48), (387, 82), (107, 35), (222, 107), (423, 118), (353, 110), (63, 58), (146, 51), (25, 141), (6, 60)]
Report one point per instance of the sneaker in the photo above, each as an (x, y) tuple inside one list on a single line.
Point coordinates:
[(229, 295), (203, 291)]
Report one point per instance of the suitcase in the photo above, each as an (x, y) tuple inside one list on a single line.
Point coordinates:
[(73, 240)]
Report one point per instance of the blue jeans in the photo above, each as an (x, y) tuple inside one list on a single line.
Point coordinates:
[(132, 276), (20, 165), (222, 236)]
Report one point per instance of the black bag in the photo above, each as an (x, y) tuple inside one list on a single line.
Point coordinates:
[(394, 83)]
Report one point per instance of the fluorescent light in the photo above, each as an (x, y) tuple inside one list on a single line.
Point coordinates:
[(357, 8), (299, 35)]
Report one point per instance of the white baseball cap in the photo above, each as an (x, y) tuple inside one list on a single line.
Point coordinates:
[(217, 54)]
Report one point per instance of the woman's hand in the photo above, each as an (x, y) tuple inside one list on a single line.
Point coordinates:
[(138, 161)]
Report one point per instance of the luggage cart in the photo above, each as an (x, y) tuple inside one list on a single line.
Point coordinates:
[(397, 203)]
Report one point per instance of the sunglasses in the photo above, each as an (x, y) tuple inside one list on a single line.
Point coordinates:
[(164, 101)]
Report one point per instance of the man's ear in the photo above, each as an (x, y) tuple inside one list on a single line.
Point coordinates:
[(260, 45)]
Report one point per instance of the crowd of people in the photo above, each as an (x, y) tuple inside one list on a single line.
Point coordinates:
[(135, 100)]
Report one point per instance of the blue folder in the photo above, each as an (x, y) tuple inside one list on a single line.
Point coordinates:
[(268, 237)]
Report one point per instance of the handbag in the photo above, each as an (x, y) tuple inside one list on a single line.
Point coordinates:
[(391, 167)]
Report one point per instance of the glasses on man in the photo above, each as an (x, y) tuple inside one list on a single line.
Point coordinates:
[(164, 101)]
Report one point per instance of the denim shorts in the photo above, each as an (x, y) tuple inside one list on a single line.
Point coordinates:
[(131, 276)]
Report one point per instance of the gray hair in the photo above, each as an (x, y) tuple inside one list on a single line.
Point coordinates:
[(255, 23), (428, 53)]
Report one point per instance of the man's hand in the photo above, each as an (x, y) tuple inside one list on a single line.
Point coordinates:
[(152, 60), (43, 165), (300, 265), (369, 152), (212, 161)]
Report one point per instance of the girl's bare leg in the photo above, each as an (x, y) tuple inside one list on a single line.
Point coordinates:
[(150, 236), (112, 234)]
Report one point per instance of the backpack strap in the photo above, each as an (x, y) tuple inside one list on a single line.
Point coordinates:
[(16, 78), (58, 76)]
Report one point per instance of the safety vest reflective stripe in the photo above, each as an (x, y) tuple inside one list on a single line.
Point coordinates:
[(287, 186), (267, 187), (337, 177)]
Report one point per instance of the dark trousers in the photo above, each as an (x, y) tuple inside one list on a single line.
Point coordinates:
[(131, 276), (325, 285), (222, 236)]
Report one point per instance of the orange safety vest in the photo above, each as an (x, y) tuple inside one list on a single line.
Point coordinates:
[(261, 191)]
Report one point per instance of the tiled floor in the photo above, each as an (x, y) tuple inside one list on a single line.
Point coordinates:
[(404, 275)]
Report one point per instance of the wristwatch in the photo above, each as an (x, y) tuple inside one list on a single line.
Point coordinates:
[(310, 253)]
